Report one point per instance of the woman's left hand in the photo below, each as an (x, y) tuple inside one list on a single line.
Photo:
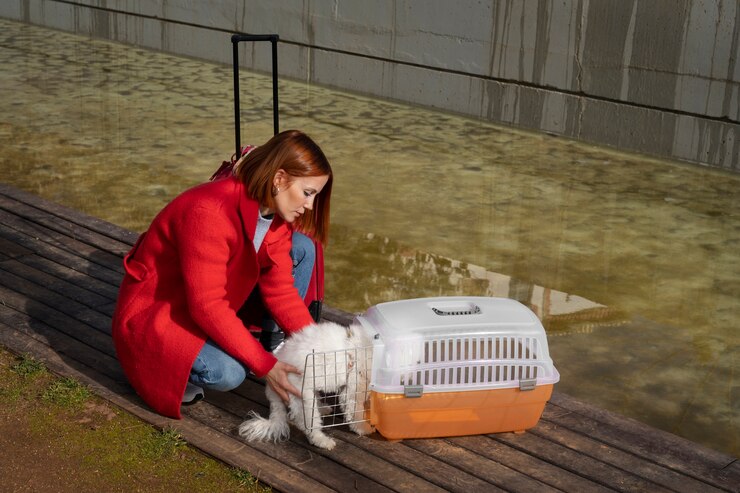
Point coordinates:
[(277, 379)]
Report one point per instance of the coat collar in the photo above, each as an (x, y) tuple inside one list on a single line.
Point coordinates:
[(249, 211), (248, 208)]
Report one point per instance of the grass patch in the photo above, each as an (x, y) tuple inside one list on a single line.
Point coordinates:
[(54, 431), (162, 443), (66, 392), (19, 375), (28, 367), (244, 479)]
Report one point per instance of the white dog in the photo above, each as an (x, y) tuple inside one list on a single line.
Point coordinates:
[(337, 360)]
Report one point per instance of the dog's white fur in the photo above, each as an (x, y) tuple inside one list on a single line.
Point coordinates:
[(341, 369)]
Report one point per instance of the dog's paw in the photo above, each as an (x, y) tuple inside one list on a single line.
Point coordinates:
[(362, 428), (322, 441)]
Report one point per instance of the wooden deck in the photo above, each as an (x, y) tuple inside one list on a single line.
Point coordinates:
[(59, 274)]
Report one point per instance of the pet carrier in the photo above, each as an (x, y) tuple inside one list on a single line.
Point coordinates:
[(456, 366)]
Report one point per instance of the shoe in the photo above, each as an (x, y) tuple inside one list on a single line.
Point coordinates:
[(271, 336), (193, 394)]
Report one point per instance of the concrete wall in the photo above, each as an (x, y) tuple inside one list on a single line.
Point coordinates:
[(656, 76)]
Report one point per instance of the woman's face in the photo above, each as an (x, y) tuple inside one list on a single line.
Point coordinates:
[(295, 194)]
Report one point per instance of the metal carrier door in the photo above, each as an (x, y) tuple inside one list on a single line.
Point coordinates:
[(336, 387)]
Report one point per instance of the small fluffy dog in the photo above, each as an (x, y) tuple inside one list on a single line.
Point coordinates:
[(337, 361)]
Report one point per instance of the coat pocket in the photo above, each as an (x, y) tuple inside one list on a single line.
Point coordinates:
[(133, 267)]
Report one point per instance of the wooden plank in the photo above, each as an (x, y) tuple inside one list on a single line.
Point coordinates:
[(73, 291), (83, 280), (66, 346), (107, 309), (39, 232), (534, 467), (479, 465), (713, 458), (438, 472), (109, 274), (643, 441), (585, 466), (37, 311), (266, 469), (47, 298), (250, 396), (732, 472), (600, 451), (10, 249), (64, 226), (308, 460), (93, 223), (61, 249)]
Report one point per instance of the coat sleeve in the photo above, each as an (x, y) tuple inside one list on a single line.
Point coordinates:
[(279, 293), (206, 239)]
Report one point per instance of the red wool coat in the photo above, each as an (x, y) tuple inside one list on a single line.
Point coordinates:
[(185, 279)]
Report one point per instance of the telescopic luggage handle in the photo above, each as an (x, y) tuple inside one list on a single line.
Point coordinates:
[(235, 40)]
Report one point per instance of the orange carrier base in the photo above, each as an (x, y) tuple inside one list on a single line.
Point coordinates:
[(443, 414)]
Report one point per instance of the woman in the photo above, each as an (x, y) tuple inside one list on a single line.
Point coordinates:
[(176, 320)]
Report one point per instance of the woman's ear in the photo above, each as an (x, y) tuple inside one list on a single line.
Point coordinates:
[(280, 181)]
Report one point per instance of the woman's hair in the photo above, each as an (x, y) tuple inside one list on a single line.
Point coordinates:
[(295, 153)]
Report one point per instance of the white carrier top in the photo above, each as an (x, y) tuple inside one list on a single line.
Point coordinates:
[(457, 343)]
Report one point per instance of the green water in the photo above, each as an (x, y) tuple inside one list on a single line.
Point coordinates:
[(631, 262)]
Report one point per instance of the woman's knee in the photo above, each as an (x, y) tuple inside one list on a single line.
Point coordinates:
[(229, 375), (303, 250), (303, 253), (216, 370)]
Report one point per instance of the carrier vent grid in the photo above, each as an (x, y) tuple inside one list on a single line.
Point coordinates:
[(452, 362)]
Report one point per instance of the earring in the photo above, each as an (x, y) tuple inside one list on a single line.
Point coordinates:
[(275, 190)]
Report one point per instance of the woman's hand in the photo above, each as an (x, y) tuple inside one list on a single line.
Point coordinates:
[(277, 379)]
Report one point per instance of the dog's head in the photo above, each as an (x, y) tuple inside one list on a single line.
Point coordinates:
[(360, 336), (360, 357)]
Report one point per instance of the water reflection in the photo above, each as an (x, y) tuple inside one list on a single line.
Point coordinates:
[(631, 262), (384, 269)]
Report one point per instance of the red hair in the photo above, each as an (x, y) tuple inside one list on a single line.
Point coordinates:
[(295, 153)]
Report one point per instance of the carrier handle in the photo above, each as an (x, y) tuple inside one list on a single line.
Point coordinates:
[(474, 310), (235, 40)]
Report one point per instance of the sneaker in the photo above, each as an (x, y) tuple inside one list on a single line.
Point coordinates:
[(193, 394)]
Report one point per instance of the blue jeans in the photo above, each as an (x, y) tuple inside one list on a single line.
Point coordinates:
[(213, 368)]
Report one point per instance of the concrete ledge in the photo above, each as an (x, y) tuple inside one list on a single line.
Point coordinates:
[(577, 70)]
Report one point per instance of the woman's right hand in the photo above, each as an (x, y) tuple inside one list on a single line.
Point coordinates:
[(277, 379)]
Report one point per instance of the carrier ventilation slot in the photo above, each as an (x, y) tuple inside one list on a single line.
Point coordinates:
[(468, 376), (475, 361), (480, 348)]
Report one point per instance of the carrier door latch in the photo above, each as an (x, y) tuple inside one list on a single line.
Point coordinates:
[(527, 384), (413, 390)]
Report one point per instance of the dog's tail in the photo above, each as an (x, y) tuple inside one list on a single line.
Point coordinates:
[(257, 428)]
